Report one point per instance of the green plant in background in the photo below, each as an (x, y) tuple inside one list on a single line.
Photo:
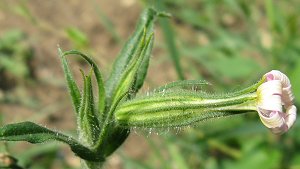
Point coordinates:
[(227, 35), (103, 125), (78, 38), (15, 59)]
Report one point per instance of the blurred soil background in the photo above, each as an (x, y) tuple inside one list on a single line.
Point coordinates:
[(231, 44)]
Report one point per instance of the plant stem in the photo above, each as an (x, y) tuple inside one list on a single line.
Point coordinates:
[(180, 110)]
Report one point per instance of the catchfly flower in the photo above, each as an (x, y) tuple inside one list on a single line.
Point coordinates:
[(271, 97), (275, 102)]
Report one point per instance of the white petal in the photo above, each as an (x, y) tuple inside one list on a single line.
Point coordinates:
[(271, 119), (287, 96), (269, 96), (291, 115)]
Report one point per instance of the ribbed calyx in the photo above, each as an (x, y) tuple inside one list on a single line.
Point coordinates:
[(173, 107)]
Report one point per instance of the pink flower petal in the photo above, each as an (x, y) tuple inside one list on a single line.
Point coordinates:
[(272, 95), (269, 77)]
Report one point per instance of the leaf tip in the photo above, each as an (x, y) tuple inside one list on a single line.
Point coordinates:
[(164, 14), (60, 52)]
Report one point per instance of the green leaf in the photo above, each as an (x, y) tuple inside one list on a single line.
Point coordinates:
[(142, 72), (128, 73), (182, 84), (115, 139), (33, 133), (88, 120), (100, 83), (73, 88), (130, 49), (127, 78)]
